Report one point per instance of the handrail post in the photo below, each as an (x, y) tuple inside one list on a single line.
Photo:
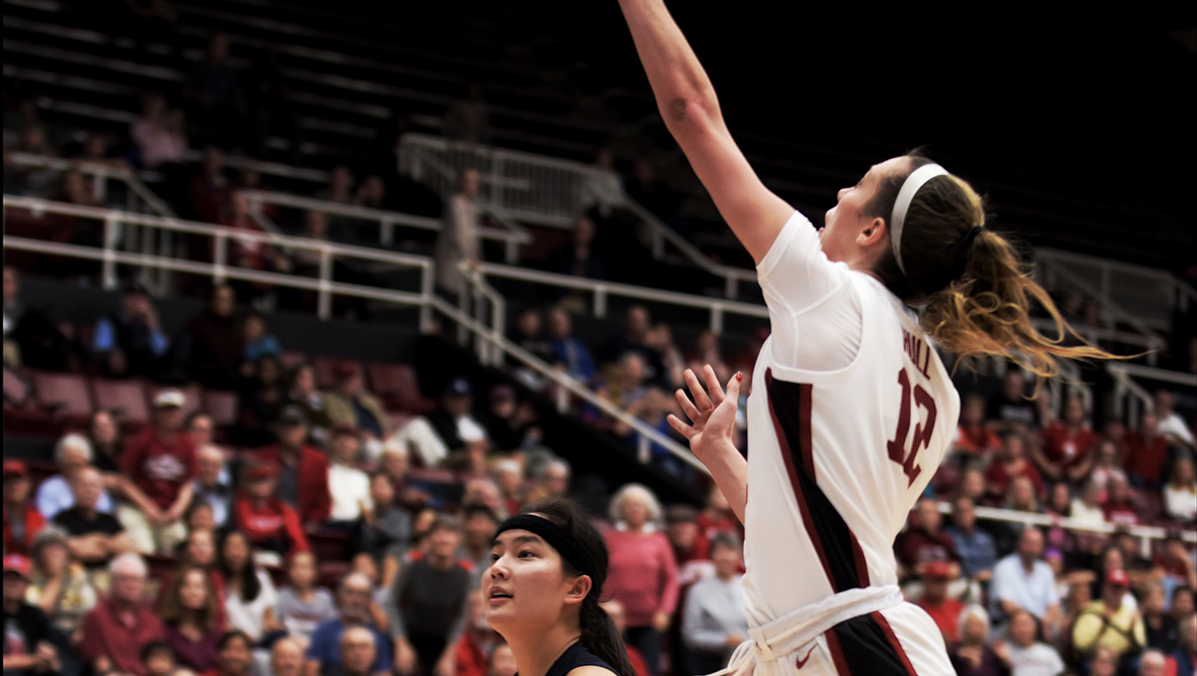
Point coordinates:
[(222, 257), (511, 253), (387, 232), (717, 320), (108, 274), (426, 291), (658, 241), (100, 187), (731, 286), (600, 302), (324, 297), (463, 302), (643, 451)]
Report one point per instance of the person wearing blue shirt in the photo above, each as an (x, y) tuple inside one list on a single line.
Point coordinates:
[(324, 652), (258, 343), (1023, 580), (569, 350), (54, 495), (977, 550), (131, 341)]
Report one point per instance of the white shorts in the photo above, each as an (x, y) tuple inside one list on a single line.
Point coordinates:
[(898, 641)]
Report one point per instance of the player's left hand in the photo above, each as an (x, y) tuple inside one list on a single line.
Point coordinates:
[(712, 417)]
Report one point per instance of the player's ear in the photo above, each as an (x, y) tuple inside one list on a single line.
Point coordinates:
[(578, 589), (872, 232)]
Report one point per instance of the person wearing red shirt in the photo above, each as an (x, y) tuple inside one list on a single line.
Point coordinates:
[(614, 610), (974, 438), (113, 634), (1145, 452), (681, 527), (476, 642), (22, 521), (1120, 508), (1010, 464), (160, 466), (268, 523), (943, 609), (925, 543), (303, 471), (1065, 451), (717, 517)]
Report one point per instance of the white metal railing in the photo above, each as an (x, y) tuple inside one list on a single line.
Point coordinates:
[(101, 175), (1146, 295), (111, 255), (387, 221), (541, 190), (1130, 397), (265, 168)]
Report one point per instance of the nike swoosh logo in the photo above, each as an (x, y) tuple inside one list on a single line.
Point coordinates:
[(802, 662)]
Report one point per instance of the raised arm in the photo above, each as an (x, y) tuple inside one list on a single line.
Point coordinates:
[(687, 103)]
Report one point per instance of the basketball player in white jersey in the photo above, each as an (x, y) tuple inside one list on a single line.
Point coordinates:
[(851, 408)]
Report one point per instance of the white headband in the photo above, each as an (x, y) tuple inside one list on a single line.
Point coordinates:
[(910, 188)]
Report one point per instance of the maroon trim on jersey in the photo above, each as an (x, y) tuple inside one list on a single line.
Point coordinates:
[(837, 653), (888, 631), (839, 551)]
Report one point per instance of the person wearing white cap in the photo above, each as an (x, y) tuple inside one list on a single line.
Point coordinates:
[(161, 465)]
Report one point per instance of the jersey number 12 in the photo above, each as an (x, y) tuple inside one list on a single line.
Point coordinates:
[(922, 431)]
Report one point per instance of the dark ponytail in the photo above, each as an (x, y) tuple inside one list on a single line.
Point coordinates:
[(598, 631)]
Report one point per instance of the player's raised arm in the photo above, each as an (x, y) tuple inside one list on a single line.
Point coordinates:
[(687, 103)]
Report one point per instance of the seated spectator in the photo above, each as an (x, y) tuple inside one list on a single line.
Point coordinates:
[(29, 637), (349, 486), (569, 352), (372, 194), (1171, 426), (310, 401), (708, 351), (976, 547), (687, 540), (1022, 496), (1104, 663), (387, 530), (478, 641), (213, 482), (944, 610), (645, 189), (1106, 464), (1176, 563), (191, 619), (717, 516), (1086, 506), (58, 585), (262, 397), (22, 521), (354, 597), (552, 481), (478, 529), (660, 340), (302, 606), (340, 186), (1108, 622), (1180, 493), (508, 423), (131, 342), (234, 654), (1026, 655), (975, 439), (603, 190), (1145, 452), (509, 476), (303, 470), (482, 490), (468, 118), (636, 325), (72, 453), (214, 348), (208, 193), (116, 631), (1010, 410), (1162, 630), (104, 437), (460, 435), (159, 135), (258, 342), (1120, 507), (972, 655), (267, 522), (428, 602), (359, 650), (615, 611), (286, 657), (1185, 657), (213, 91), (921, 544), (1023, 580), (160, 464), (713, 620), (623, 383), (157, 659), (1065, 450), (349, 404), (36, 181), (93, 537), (96, 150), (249, 595), (1010, 463)]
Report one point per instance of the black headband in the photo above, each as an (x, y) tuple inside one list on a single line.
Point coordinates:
[(566, 545)]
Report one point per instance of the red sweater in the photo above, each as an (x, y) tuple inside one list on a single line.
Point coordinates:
[(999, 475), (642, 575), (1064, 448), (315, 501), (1144, 459), (103, 635), (275, 526), (34, 523), (159, 468), (946, 616)]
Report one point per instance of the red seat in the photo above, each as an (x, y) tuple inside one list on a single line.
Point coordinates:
[(290, 360), (327, 367), (21, 414), (222, 406), (125, 398), (397, 386), (193, 392), (65, 395)]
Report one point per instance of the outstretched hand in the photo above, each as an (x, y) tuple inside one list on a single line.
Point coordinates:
[(712, 412)]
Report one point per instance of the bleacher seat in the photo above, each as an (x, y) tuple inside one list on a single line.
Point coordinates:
[(125, 398), (327, 367), (397, 386), (222, 406), (291, 359), (65, 395)]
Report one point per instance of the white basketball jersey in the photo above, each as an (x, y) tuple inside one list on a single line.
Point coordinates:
[(836, 457)]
